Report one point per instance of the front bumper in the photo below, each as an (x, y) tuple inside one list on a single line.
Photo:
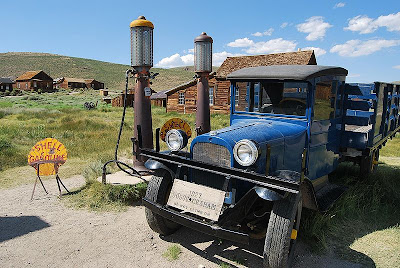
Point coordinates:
[(271, 182), (196, 224)]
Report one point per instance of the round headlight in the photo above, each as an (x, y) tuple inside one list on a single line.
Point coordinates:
[(176, 139), (245, 152)]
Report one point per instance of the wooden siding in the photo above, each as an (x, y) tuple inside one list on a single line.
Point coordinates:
[(221, 98), (119, 100), (39, 81)]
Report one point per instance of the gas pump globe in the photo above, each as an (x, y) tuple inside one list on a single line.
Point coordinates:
[(203, 53), (141, 43)]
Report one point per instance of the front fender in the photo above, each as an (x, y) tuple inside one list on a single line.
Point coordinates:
[(155, 165), (267, 194)]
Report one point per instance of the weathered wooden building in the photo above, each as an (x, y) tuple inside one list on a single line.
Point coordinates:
[(94, 84), (6, 83), (72, 83), (34, 80), (183, 97), (159, 99), (118, 101)]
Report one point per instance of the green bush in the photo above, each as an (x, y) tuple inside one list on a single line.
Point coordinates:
[(103, 197)]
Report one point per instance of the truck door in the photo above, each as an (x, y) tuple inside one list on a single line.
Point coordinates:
[(325, 128)]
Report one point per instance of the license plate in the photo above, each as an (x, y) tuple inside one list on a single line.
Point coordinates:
[(197, 199)]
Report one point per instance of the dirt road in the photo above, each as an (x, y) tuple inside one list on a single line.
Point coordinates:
[(45, 233)]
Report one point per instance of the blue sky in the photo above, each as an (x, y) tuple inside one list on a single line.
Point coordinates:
[(362, 36)]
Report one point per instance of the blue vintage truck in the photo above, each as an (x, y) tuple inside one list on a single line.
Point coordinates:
[(290, 126)]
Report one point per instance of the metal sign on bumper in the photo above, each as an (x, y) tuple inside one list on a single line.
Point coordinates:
[(197, 199)]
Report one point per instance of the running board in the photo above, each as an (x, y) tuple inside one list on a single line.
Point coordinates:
[(327, 195)]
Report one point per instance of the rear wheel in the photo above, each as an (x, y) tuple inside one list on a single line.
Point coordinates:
[(284, 223), (158, 191), (368, 164)]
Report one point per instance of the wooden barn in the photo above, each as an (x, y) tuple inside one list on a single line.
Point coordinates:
[(34, 80), (72, 83), (118, 101), (6, 83), (183, 97), (94, 84), (69, 82), (159, 99)]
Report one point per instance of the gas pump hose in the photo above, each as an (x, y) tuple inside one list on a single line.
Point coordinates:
[(115, 160)]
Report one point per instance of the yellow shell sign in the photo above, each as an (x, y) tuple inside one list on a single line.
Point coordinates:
[(175, 123), (47, 155)]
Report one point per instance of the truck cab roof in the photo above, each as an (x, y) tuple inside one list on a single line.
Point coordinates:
[(290, 72)]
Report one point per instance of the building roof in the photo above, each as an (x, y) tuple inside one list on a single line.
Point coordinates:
[(295, 72), (91, 80), (159, 95), (185, 85), (231, 64), (6, 80), (75, 80), (180, 87), (28, 75)]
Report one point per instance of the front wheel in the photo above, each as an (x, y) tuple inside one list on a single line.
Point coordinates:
[(281, 237), (158, 191)]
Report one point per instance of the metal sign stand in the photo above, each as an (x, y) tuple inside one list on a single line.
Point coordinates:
[(57, 179)]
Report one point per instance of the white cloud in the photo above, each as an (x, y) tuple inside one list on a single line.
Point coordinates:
[(315, 27), (356, 48), (317, 50), (188, 59), (176, 60), (365, 24), (339, 5), (397, 67), (242, 42), (258, 34), (265, 33), (362, 24), (353, 75), (284, 25), (219, 57), (272, 46), (191, 50), (391, 22)]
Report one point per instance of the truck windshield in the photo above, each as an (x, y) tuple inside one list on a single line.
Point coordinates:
[(288, 98)]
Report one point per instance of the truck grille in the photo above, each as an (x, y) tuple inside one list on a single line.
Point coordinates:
[(213, 154)]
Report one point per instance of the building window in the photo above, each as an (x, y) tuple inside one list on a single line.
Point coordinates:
[(237, 96), (181, 99), (7, 87), (34, 84), (19, 85), (211, 96), (48, 84), (26, 85)]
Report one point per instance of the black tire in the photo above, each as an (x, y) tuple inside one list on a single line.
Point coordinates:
[(368, 164), (279, 247), (158, 191)]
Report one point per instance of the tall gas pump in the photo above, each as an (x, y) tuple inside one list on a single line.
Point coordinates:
[(141, 62)]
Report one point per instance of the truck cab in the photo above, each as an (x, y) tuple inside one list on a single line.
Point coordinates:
[(290, 125)]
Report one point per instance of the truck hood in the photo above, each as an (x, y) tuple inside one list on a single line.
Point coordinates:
[(262, 132), (286, 140)]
